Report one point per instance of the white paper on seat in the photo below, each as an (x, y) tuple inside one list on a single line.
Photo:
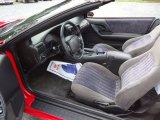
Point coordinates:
[(65, 70)]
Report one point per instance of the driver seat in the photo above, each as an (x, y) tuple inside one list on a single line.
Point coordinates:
[(137, 76), (134, 46)]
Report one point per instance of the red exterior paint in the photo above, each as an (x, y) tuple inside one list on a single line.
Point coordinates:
[(2, 42), (2, 24), (29, 97)]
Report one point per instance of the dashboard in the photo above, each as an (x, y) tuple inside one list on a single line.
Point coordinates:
[(44, 45), (46, 42)]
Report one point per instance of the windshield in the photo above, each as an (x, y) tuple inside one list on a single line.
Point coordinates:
[(14, 27), (62, 6)]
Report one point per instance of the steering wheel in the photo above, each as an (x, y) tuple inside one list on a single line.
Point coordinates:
[(72, 40)]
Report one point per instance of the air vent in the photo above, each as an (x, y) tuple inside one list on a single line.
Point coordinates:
[(41, 47)]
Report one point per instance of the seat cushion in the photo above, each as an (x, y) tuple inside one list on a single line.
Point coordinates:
[(104, 47), (139, 45), (95, 83), (138, 76)]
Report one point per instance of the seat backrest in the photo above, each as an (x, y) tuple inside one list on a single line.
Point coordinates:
[(137, 46), (138, 76)]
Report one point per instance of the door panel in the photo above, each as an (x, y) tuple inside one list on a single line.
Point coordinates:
[(10, 90), (115, 31), (129, 25)]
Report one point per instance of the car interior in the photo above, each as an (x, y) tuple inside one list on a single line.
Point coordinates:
[(101, 45)]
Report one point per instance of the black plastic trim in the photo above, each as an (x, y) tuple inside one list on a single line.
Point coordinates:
[(51, 107)]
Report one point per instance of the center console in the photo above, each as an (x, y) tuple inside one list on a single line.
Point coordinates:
[(110, 59)]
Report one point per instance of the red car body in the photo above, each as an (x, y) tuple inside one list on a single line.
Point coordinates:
[(2, 24), (6, 22)]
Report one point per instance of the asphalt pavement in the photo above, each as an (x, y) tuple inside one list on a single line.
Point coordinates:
[(116, 9)]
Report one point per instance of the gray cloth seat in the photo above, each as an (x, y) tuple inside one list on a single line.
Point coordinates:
[(134, 46), (94, 83)]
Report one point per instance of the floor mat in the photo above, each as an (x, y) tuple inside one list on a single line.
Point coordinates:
[(51, 84)]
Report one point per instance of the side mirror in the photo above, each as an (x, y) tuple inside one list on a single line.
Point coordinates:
[(90, 14)]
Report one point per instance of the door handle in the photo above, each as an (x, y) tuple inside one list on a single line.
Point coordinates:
[(100, 29)]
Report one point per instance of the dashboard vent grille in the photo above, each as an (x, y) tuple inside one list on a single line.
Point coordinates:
[(41, 47)]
